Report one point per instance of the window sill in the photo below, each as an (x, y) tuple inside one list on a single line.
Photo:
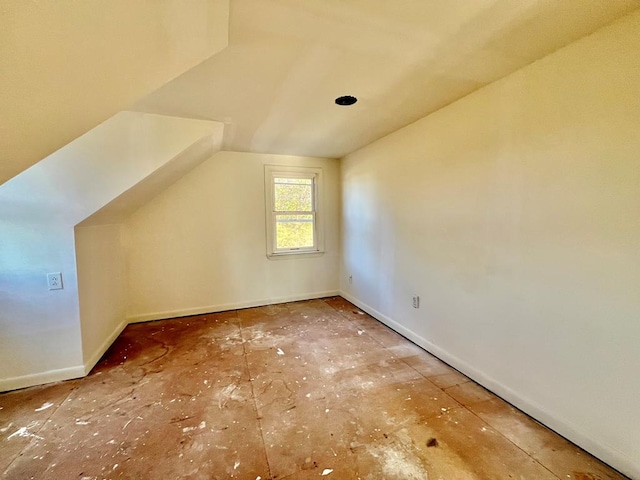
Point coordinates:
[(290, 255)]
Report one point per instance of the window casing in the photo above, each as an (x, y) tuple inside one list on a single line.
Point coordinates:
[(293, 216)]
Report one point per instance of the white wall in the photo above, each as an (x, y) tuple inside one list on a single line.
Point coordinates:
[(514, 214), (200, 245), (40, 335), (67, 65), (102, 291)]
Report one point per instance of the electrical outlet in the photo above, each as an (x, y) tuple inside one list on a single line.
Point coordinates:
[(416, 301), (54, 280), (350, 278)]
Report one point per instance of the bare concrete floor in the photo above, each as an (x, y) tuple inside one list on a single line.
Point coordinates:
[(314, 389)]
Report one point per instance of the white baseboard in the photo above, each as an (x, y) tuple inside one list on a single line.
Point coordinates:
[(97, 355), (7, 384), (146, 317), (14, 383), (606, 453)]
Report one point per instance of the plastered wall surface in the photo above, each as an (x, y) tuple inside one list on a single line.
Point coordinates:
[(200, 246), (68, 66), (40, 330), (514, 214), (102, 292)]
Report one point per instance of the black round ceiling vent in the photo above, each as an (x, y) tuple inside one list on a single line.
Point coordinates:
[(346, 100)]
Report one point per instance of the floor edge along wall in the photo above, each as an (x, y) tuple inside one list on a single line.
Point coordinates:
[(146, 317), (570, 432), (563, 428), (41, 378)]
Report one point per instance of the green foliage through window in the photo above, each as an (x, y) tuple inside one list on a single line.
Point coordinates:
[(294, 231), (293, 198), (293, 194)]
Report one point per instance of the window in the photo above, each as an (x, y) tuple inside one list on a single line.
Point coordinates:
[(293, 197)]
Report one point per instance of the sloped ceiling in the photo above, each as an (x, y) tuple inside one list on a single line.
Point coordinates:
[(67, 65), (287, 60)]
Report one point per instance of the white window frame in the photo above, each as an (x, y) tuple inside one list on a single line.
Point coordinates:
[(282, 171)]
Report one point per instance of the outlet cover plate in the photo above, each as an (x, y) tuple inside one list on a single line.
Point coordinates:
[(54, 280), (416, 301)]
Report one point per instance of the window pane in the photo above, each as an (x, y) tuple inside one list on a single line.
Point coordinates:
[(293, 194), (294, 231)]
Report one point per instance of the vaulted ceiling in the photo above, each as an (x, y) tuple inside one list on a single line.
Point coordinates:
[(67, 66), (287, 60)]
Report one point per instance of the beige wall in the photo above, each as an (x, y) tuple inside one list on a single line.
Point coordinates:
[(200, 245), (40, 330), (514, 214), (102, 293)]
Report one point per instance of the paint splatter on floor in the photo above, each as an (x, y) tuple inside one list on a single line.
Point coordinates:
[(44, 407), (292, 391)]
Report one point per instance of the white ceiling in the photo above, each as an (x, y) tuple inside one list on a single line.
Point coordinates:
[(287, 60)]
